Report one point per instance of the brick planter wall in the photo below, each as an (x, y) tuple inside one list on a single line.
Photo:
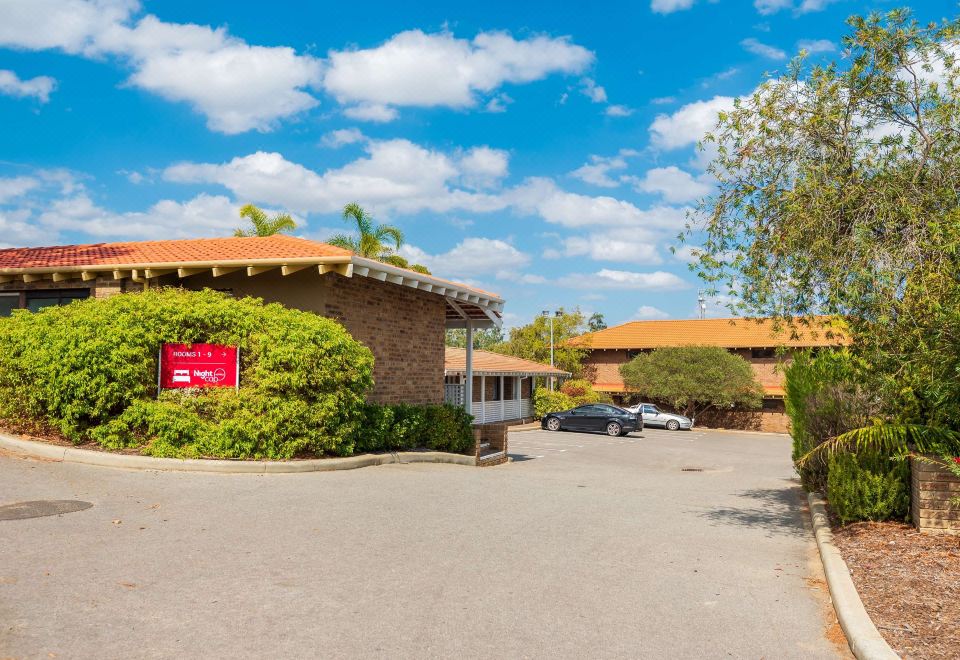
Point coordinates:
[(931, 490), (496, 435)]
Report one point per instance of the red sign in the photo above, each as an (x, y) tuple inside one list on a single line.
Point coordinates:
[(199, 365)]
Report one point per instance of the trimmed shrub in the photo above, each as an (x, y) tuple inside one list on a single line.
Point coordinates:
[(545, 401), (580, 392), (824, 398), (401, 427), (868, 487), (89, 369)]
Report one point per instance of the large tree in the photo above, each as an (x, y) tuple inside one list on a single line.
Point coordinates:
[(484, 340), (373, 241), (838, 191), (532, 341), (263, 225), (692, 379)]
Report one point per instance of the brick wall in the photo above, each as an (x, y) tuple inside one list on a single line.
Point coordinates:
[(768, 421), (404, 327), (932, 488)]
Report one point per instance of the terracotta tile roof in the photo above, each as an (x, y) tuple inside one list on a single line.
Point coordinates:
[(488, 362), (145, 253), (728, 333)]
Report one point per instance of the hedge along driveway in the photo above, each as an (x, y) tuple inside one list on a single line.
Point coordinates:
[(88, 370)]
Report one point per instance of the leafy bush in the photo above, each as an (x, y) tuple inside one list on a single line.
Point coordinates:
[(868, 486), (89, 370), (824, 398), (401, 426), (580, 392), (545, 401)]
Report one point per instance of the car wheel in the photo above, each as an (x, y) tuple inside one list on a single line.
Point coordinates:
[(673, 425), (614, 429), (553, 424)]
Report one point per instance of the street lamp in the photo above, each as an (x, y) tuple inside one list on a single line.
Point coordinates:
[(546, 314)]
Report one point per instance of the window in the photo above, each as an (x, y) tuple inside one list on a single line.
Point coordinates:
[(763, 352), (8, 303), (37, 300), (650, 410), (496, 389), (773, 405)]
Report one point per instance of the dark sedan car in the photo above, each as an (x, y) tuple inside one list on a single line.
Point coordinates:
[(593, 417)]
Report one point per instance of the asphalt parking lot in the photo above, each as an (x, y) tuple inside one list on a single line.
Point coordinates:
[(659, 544)]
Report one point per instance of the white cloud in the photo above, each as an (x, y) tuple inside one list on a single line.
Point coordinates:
[(648, 312), (17, 231), (374, 112), (14, 187), (756, 47), (669, 6), (483, 167), (804, 7), (342, 136), (816, 45), (555, 205), (618, 111), (673, 184), (238, 87), (204, 215), (498, 103), (414, 68), (39, 87), (688, 125), (636, 246), (472, 257), (396, 175), (593, 91), (597, 171), (624, 280)]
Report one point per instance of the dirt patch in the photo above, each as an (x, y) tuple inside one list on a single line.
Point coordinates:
[(910, 584)]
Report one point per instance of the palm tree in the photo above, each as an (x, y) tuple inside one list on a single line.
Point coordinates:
[(373, 241), (261, 225)]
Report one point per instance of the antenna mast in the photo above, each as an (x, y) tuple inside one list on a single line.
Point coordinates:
[(701, 304)]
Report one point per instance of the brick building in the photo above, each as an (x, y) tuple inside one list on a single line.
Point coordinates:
[(766, 349), (401, 315)]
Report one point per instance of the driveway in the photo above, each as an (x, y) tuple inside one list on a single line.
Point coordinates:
[(685, 544)]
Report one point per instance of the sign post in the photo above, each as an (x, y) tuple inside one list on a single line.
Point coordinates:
[(198, 365)]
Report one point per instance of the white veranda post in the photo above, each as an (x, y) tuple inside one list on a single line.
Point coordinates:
[(468, 386)]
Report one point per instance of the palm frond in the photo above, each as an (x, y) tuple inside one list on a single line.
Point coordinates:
[(355, 212), (344, 241), (282, 222), (395, 260), (370, 246), (889, 439), (384, 232)]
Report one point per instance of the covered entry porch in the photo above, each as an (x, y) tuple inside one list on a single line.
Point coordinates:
[(502, 385)]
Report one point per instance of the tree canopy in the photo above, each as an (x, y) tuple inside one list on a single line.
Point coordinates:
[(692, 379), (838, 192), (484, 340), (262, 225), (532, 341), (373, 241), (596, 322)]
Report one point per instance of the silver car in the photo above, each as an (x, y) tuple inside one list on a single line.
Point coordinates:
[(653, 416)]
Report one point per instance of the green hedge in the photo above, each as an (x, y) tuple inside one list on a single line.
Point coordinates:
[(545, 401), (88, 370), (401, 427), (868, 487)]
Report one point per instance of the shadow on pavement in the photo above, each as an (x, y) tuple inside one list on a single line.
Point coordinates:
[(776, 510)]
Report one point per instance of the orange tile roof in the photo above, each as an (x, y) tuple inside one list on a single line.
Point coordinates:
[(728, 333), (488, 362), (145, 253)]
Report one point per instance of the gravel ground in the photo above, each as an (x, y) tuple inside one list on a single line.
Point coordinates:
[(909, 583)]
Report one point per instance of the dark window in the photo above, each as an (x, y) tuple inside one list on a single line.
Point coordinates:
[(773, 405), (632, 353), (763, 352), (37, 300), (496, 389), (8, 303)]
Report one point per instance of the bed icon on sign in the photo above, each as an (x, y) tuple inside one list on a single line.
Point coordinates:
[(181, 376)]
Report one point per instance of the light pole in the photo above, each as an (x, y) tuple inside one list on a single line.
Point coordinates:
[(546, 314)]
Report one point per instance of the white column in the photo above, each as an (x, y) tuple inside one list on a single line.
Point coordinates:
[(503, 402), (483, 398), (468, 386)]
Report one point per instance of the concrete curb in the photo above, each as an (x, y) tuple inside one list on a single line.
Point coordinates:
[(57, 453), (864, 638)]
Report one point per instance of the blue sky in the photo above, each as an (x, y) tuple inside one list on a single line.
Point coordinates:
[(541, 150)]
